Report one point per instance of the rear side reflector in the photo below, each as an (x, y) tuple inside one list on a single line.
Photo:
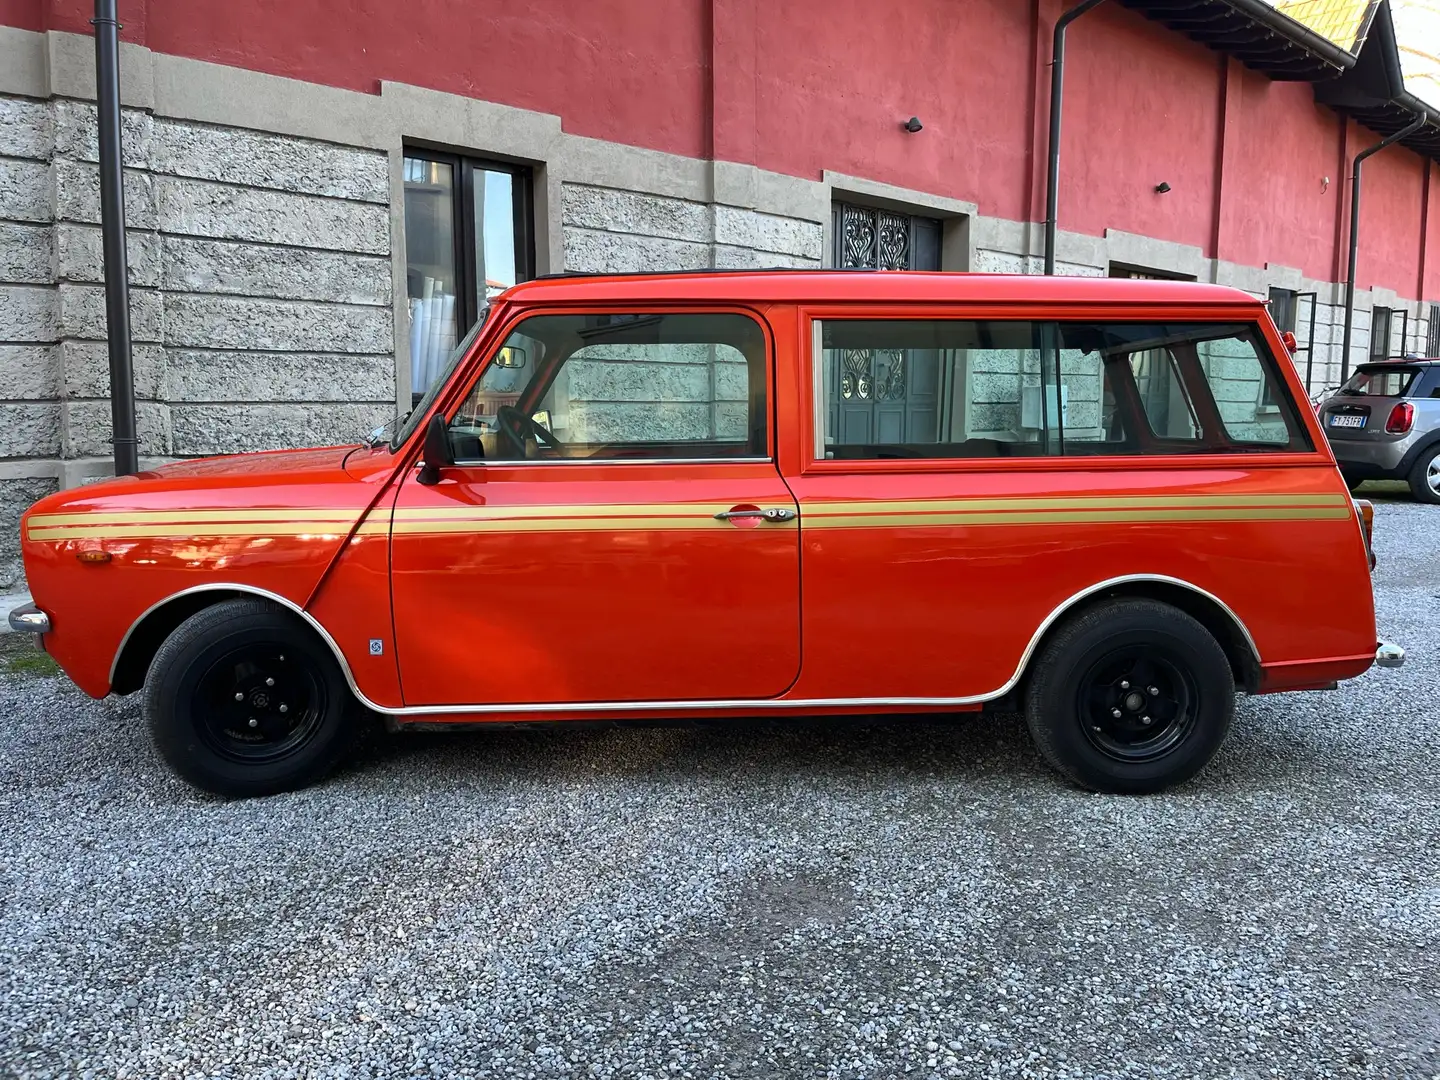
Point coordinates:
[(1366, 509), (1401, 418)]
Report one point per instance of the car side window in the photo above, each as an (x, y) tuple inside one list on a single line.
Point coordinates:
[(955, 388), (620, 387)]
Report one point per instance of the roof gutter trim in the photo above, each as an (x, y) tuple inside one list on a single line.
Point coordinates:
[(1295, 32)]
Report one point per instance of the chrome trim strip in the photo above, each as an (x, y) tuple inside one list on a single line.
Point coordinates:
[(477, 463), (29, 619), (689, 706)]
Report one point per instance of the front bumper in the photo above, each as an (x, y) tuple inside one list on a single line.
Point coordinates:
[(29, 619), (1388, 655)]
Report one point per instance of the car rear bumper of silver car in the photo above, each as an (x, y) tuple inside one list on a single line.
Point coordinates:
[(1371, 456), (29, 619), (1388, 655)]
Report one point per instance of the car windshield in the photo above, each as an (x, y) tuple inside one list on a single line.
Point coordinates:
[(412, 421), (1379, 382)]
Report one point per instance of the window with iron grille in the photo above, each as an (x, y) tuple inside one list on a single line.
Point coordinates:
[(1432, 343)]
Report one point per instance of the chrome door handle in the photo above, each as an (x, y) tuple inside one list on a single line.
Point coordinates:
[(772, 513)]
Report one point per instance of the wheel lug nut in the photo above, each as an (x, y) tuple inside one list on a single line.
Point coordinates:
[(1153, 691), (239, 696), (269, 682), (1124, 684), (254, 722), (1115, 713), (284, 708), (1145, 720)]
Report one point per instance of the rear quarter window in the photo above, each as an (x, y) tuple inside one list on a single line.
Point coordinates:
[(1380, 382)]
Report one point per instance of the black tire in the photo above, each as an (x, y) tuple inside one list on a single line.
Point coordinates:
[(1424, 478), (1160, 668), (283, 734), (1352, 483)]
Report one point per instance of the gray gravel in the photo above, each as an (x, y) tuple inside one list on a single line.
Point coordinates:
[(917, 898)]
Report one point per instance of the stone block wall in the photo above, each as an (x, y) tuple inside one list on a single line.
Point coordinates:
[(260, 295), (683, 392)]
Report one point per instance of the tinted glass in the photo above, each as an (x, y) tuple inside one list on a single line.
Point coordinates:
[(619, 387), (1379, 382), (964, 389)]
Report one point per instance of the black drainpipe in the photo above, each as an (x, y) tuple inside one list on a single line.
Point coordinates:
[(1408, 129), (112, 234), (1057, 95)]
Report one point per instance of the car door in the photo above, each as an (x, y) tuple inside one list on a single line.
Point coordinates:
[(614, 529)]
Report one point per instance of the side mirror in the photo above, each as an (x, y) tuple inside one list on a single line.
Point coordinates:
[(437, 450)]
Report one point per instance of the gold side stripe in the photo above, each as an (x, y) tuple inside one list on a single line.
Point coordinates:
[(137, 532), (180, 517), (1077, 517), (654, 524), (1074, 502), (552, 511)]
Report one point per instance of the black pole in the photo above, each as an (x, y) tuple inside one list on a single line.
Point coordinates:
[(1409, 129), (1057, 95), (112, 234)]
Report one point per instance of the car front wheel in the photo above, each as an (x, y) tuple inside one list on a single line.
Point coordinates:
[(242, 699), (1130, 697)]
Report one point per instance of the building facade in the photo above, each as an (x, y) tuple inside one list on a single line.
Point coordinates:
[(318, 208)]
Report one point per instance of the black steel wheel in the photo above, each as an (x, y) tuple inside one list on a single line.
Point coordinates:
[(1136, 703), (243, 699), (1130, 696)]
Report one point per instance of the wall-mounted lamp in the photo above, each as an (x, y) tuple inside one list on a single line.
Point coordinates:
[(1161, 188), (913, 125), (1324, 184)]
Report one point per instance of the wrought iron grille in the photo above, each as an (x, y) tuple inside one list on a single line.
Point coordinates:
[(1432, 341), (874, 239)]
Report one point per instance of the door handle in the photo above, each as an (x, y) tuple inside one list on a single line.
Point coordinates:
[(771, 513)]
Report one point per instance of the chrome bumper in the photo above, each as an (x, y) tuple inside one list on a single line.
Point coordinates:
[(1387, 655), (29, 619)]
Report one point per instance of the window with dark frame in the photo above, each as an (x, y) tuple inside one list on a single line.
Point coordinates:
[(468, 237), (1003, 388), (1292, 311), (1380, 333), (1432, 341)]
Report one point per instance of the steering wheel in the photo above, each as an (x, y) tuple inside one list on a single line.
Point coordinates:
[(515, 424)]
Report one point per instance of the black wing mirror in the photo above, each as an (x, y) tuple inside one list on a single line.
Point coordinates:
[(437, 450)]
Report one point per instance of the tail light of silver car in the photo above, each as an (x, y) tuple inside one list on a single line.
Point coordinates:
[(1365, 510), (1401, 418)]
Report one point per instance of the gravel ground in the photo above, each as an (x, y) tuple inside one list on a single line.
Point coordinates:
[(917, 898)]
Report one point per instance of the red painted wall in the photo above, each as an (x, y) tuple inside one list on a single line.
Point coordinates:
[(1391, 192), (836, 80), (1142, 106), (802, 86), (1276, 206)]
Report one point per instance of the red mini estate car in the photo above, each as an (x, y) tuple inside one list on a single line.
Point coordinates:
[(748, 493)]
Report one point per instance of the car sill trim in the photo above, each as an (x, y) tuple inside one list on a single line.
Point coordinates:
[(704, 705)]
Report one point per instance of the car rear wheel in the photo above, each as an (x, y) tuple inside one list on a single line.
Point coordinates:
[(243, 699), (1424, 477), (1130, 697)]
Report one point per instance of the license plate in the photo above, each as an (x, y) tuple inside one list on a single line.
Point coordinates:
[(1343, 420)]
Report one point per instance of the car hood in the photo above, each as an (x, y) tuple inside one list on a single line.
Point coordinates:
[(322, 459)]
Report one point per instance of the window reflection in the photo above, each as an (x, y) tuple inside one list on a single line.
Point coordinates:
[(431, 273)]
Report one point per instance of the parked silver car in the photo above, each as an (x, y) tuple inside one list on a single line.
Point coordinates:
[(1384, 424)]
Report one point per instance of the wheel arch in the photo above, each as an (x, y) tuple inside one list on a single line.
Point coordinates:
[(1204, 607), (146, 634)]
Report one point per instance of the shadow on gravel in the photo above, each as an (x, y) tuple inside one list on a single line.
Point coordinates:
[(931, 745)]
